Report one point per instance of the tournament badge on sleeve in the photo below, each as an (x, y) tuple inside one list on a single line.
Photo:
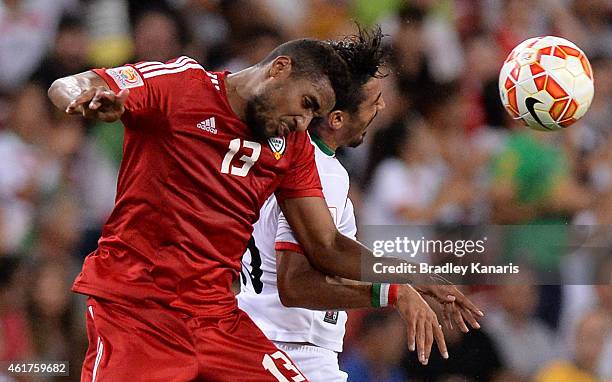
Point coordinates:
[(277, 145), (125, 77)]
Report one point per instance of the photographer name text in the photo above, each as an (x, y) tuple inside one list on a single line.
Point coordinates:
[(447, 268)]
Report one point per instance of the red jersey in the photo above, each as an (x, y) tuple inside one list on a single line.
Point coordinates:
[(191, 184)]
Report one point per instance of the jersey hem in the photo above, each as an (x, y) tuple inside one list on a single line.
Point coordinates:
[(304, 337), (96, 293)]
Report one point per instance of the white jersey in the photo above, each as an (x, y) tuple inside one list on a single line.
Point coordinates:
[(259, 295)]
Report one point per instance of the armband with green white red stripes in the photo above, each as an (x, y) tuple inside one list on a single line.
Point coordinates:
[(384, 294)]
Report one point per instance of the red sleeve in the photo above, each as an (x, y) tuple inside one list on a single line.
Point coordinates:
[(152, 85), (128, 77), (302, 179)]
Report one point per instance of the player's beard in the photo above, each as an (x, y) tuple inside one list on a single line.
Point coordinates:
[(358, 140), (258, 116)]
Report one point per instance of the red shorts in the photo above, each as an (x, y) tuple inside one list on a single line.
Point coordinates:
[(134, 344)]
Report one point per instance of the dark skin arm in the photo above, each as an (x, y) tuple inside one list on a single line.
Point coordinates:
[(87, 94), (326, 249), (335, 254), (300, 285)]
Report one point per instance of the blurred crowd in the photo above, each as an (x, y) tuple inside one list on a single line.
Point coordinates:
[(443, 152)]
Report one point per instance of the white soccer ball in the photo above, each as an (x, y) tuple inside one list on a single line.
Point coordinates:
[(547, 83)]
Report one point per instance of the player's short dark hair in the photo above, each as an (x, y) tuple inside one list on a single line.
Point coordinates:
[(312, 59), (365, 57)]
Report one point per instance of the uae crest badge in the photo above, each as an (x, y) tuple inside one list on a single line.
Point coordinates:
[(277, 145)]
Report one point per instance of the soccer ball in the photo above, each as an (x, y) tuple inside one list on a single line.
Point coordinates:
[(547, 83)]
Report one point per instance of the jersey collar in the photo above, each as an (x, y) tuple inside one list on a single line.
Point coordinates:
[(322, 146)]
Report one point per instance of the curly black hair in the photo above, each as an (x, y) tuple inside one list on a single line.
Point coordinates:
[(313, 59), (365, 56)]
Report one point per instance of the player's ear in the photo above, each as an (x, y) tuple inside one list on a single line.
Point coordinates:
[(281, 66), (336, 119)]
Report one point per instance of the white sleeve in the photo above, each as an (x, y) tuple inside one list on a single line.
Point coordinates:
[(347, 225), (285, 238)]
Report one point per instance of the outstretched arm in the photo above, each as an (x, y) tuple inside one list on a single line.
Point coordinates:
[(88, 94), (300, 285), (326, 249), (335, 254)]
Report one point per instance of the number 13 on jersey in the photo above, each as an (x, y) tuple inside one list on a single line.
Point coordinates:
[(268, 364), (248, 160)]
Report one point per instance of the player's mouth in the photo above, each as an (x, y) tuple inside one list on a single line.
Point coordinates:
[(365, 129), (283, 129)]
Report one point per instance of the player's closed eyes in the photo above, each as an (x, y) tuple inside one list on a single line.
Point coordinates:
[(309, 103)]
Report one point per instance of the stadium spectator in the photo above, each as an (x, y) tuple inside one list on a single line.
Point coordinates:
[(473, 356), (405, 186), (159, 35), (15, 335), (426, 180), (594, 18), (409, 58), (584, 298), (252, 44), (526, 190), (604, 294), (378, 351), (479, 84), (525, 343), (82, 162), (68, 54), (592, 332), (27, 30), (51, 310), (29, 168)]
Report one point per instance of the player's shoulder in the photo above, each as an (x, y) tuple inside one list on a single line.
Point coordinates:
[(268, 215), (331, 168), (294, 144), (297, 137), (178, 69), (327, 162), (172, 73)]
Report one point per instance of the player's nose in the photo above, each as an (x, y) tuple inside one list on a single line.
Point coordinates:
[(302, 122), (381, 103)]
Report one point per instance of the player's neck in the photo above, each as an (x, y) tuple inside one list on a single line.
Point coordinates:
[(238, 88), (325, 142)]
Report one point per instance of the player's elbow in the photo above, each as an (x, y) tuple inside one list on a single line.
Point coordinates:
[(57, 93), (288, 295), (53, 91), (288, 299), (323, 255), (320, 252)]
